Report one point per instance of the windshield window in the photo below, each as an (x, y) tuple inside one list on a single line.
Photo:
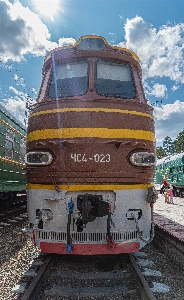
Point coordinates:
[(114, 80), (69, 80)]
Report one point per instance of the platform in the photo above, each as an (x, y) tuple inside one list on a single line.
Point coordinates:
[(169, 219), (173, 212)]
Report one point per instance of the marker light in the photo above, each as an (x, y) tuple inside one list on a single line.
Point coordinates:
[(143, 159), (38, 158)]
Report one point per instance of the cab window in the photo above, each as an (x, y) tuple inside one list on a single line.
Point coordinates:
[(114, 80), (69, 79)]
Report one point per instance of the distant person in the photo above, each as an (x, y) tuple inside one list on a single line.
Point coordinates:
[(171, 194), (162, 190), (166, 186)]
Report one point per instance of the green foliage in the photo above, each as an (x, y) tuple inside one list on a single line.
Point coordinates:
[(160, 152), (179, 142), (169, 147)]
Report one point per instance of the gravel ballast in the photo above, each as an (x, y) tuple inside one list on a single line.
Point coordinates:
[(18, 256)]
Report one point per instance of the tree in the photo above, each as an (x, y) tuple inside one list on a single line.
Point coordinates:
[(168, 146), (179, 142), (160, 152)]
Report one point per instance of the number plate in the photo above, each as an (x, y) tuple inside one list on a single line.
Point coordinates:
[(97, 158)]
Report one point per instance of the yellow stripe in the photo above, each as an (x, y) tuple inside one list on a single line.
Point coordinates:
[(13, 162), (67, 133), (89, 187), (13, 129), (106, 110)]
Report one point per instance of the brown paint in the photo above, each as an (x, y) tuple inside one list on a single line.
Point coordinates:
[(65, 170)]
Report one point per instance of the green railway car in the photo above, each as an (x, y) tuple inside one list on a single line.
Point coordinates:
[(12, 158), (172, 165)]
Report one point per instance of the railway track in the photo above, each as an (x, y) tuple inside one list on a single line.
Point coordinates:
[(17, 206), (94, 277), (12, 213), (48, 275)]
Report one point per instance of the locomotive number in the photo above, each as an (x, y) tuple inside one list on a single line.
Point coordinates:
[(96, 157)]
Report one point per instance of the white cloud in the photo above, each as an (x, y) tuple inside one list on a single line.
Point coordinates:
[(34, 91), (158, 90), (162, 55), (169, 120), (20, 81), (161, 52), (112, 37), (22, 32), (174, 88), (66, 42), (16, 105), (16, 78), (16, 92)]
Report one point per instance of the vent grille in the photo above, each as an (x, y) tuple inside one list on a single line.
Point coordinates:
[(83, 237), (51, 235)]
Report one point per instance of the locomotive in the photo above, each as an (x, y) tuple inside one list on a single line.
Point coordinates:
[(91, 153), (12, 160), (173, 166)]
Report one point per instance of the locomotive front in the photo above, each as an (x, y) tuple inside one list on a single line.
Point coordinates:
[(91, 152)]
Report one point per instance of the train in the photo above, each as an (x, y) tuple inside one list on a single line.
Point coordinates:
[(12, 160), (90, 157), (173, 166)]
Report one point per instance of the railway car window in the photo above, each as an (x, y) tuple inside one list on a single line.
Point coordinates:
[(22, 151), (8, 149), (9, 143), (69, 80), (114, 80), (174, 178), (180, 177)]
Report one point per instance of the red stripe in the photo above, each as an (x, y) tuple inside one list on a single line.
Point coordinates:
[(34, 238), (90, 249)]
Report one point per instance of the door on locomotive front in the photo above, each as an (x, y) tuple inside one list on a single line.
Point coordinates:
[(91, 152)]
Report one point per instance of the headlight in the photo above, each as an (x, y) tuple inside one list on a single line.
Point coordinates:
[(143, 159), (38, 158)]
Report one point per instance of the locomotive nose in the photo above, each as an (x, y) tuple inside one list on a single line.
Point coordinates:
[(91, 146)]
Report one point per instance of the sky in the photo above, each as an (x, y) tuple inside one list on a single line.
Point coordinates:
[(153, 29)]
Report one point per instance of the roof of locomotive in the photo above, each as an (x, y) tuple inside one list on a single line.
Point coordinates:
[(11, 117), (169, 158), (93, 42)]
